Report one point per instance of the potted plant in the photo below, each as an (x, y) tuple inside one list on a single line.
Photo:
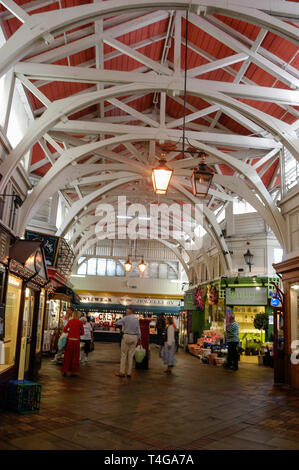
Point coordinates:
[(261, 322)]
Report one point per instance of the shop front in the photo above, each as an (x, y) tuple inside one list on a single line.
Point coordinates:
[(23, 290), (59, 299), (288, 323), (250, 301), (106, 310)]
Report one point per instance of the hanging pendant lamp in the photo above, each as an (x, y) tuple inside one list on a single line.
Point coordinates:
[(201, 178), (161, 176), (142, 266), (128, 265)]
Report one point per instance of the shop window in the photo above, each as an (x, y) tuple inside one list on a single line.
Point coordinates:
[(92, 267), (11, 319), (163, 271), (82, 268), (120, 270), (110, 267), (278, 253), (242, 207), (101, 267)]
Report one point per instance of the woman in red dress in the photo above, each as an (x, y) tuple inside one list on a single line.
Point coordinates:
[(75, 329)]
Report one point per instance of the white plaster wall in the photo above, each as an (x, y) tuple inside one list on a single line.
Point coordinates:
[(128, 285)]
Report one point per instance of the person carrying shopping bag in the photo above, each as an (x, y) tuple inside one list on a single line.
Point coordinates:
[(75, 329), (131, 336), (168, 350)]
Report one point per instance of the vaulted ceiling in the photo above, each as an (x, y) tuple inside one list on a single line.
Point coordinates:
[(105, 84)]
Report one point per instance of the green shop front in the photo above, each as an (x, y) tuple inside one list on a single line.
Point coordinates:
[(251, 301)]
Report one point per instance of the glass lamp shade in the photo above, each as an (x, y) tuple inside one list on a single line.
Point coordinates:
[(161, 177), (248, 257), (142, 266), (128, 266), (201, 180)]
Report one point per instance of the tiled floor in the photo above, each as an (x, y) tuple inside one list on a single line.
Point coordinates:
[(199, 407)]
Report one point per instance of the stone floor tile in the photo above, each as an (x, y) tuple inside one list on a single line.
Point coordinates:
[(199, 407)]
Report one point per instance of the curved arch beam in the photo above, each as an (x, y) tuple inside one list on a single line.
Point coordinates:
[(92, 241), (49, 183), (35, 28), (60, 108), (221, 245), (216, 230), (78, 206)]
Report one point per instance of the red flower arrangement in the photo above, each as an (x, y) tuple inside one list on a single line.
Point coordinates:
[(198, 298)]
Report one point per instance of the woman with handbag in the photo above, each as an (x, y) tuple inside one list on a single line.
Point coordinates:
[(168, 350), (75, 329)]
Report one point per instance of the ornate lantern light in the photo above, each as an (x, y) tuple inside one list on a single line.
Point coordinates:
[(128, 265), (142, 266), (201, 178), (161, 176), (248, 257)]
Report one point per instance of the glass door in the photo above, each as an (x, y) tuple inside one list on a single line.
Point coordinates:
[(10, 327), (40, 319)]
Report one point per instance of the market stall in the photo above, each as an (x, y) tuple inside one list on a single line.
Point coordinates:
[(104, 318), (23, 312)]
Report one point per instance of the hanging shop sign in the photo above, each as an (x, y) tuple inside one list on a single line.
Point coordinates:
[(246, 296), (50, 245), (189, 301)]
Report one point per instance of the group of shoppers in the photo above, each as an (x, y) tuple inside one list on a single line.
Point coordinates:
[(79, 330), (132, 337)]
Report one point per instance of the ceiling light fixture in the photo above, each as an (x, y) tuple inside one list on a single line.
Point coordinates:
[(128, 265), (202, 177), (142, 266), (161, 176)]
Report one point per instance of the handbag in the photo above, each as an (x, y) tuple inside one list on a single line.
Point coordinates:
[(139, 354), (91, 346), (62, 341)]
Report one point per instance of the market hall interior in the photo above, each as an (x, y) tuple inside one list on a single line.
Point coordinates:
[(198, 407), (149, 161)]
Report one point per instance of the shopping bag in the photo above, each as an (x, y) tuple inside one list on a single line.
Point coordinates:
[(91, 346), (62, 341), (139, 353)]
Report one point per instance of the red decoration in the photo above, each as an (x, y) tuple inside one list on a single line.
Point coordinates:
[(198, 298)]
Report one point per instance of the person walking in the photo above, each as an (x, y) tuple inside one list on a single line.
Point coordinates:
[(168, 350), (58, 356), (131, 336), (75, 329), (232, 339), (86, 338)]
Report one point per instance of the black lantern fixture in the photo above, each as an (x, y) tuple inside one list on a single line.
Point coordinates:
[(201, 178), (248, 257)]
